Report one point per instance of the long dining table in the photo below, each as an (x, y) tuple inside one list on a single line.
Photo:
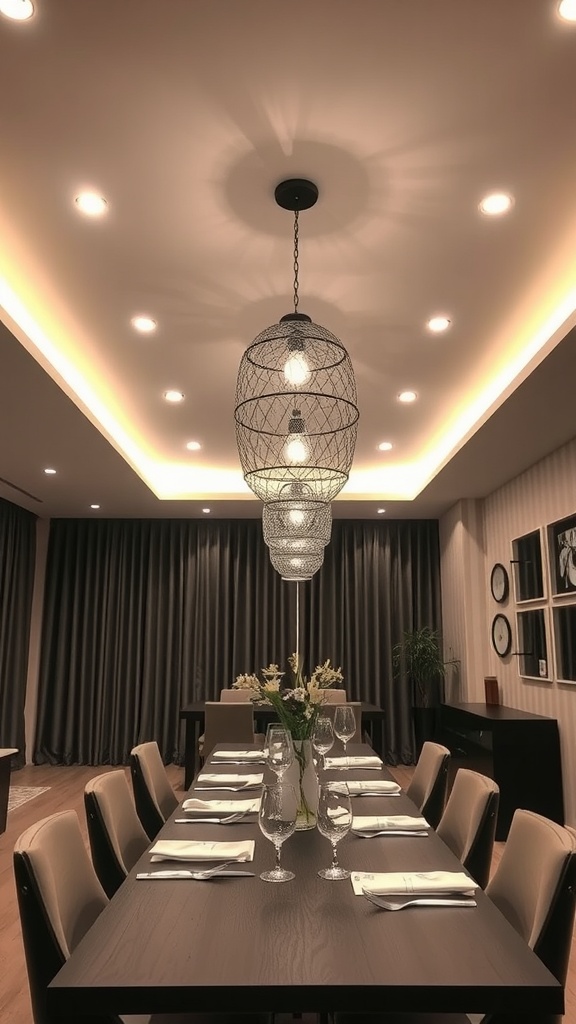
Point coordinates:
[(239, 944), (193, 717)]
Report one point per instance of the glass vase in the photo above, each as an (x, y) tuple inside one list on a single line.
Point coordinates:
[(302, 775)]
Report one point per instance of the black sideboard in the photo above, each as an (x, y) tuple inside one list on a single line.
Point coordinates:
[(519, 750)]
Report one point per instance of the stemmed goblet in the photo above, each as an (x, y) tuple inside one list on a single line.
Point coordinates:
[(277, 820), (279, 750), (344, 724), (334, 821), (323, 737)]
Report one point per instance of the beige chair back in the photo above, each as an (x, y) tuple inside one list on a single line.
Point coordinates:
[(428, 786), (227, 723), (531, 868), (334, 696), (468, 824), (153, 795), (231, 696), (117, 838), (69, 889)]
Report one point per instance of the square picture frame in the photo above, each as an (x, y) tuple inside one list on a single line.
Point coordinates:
[(562, 556)]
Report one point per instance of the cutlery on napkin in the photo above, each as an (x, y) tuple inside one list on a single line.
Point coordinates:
[(179, 849), (393, 823), (354, 761), (230, 779), (402, 902), (416, 883), (380, 787), (249, 806)]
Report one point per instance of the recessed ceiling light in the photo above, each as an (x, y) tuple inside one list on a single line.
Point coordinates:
[(381, 511), (385, 446), (94, 506), (18, 10), (174, 396), (193, 446), (437, 324), (49, 471), (567, 10), (407, 396), (495, 204), (144, 324), (91, 204), (206, 510)]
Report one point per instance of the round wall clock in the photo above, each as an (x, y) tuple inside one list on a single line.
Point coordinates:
[(501, 635), (499, 584)]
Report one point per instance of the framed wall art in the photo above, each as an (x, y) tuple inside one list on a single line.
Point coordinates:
[(527, 566), (562, 556)]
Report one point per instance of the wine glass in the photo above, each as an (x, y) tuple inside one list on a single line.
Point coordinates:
[(277, 820), (279, 750), (334, 821), (344, 724), (323, 737)]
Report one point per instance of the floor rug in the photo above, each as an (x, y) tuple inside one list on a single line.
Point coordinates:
[(19, 795)]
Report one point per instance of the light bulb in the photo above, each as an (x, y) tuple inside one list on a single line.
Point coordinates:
[(296, 369), (296, 450), (297, 516)]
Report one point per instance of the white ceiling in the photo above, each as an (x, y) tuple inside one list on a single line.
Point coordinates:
[(185, 114)]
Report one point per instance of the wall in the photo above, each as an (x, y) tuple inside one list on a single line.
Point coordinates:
[(469, 549)]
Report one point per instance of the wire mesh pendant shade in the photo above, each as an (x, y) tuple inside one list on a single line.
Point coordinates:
[(295, 412), (294, 523), (296, 567)]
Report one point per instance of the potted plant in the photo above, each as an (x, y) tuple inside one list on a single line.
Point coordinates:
[(419, 656)]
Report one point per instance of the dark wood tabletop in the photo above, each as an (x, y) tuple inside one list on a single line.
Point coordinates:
[(242, 944)]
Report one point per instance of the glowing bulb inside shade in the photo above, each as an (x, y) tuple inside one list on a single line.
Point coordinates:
[(296, 450), (296, 369), (567, 10), (18, 10), (296, 516)]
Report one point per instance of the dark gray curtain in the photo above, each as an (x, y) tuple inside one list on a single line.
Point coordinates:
[(17, 559), (142, 617)]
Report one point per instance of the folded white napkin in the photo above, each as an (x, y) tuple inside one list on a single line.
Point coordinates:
[(354, 761), (373, 823), (233, 779), (395, 882), (222, 806), (177, 849), (238, 755), (380, 786)]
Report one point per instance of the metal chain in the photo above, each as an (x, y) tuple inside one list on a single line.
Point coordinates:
[(296, 266)]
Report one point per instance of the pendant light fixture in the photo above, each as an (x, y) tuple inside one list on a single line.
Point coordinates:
[(296, 567), (296, 413)]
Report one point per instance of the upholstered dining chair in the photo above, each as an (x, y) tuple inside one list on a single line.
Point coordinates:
[(59, 899), (427, 788), (153, 795), (227, 723), (117, 838), (334, 696), (534, 886), (232, 696), (468, 824)]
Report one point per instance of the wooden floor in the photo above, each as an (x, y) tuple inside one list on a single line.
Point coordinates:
[(66, 791)]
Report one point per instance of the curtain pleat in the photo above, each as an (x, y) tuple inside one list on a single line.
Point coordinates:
[(142, 617), (17, 558)]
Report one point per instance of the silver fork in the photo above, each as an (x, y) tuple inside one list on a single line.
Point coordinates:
[(423, 901), (388, 832), (229, 819)]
